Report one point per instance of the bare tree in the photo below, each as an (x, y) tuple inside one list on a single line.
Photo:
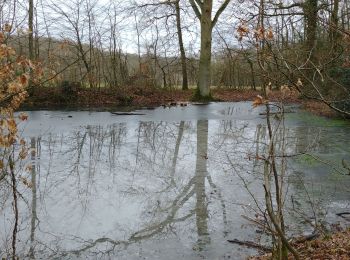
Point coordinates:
[(203, 11), (181, 45)]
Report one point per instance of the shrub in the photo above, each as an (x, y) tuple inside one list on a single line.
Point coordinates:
[(69, 89)]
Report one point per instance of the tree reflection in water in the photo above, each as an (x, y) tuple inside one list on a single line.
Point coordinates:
[(71, 165), (200, 176), (141, 188)]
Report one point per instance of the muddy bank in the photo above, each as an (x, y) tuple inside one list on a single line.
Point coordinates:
[(136, 96), (130, 98), (320, 109), (52, 98)]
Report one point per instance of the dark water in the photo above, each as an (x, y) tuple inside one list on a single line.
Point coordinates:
[(171, 183)]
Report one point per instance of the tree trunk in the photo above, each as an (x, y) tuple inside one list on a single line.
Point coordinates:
[(251, 66), (203, 11), (204, 75), (31, 30), (83, 57), (334, 23), (181, 46), (310, 11), (31, 42), (138, 44)]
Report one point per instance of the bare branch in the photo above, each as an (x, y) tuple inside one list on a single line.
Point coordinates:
[(219, 12), (194, 5)]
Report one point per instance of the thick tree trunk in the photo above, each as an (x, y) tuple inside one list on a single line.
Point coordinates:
[(203, 11), (204, 75), (181, 46), (310, 11), (334, 23)]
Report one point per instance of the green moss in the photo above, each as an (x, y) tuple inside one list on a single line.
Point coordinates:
[(307, 159), (197, 97), (335, 176), (313, 120)]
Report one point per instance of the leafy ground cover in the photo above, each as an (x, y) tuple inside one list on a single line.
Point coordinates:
[(330, 247)]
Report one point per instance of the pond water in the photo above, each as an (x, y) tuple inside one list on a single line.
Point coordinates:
[(168, 183)]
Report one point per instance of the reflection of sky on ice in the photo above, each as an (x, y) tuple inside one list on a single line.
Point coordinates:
[(104, 179)]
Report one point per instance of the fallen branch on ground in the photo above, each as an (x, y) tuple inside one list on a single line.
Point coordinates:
[(251, 244)]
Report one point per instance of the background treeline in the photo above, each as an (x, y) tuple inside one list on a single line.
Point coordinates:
[(101, 44)]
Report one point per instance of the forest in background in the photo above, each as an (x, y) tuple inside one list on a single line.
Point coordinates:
[(98, 45)]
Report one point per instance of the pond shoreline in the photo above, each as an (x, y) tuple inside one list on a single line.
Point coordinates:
[(129, 99)]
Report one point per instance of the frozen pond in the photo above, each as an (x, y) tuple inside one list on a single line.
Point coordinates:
[(168, 183)]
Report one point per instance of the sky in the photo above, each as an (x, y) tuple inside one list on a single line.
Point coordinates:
[(57, 18), (156, 26)]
